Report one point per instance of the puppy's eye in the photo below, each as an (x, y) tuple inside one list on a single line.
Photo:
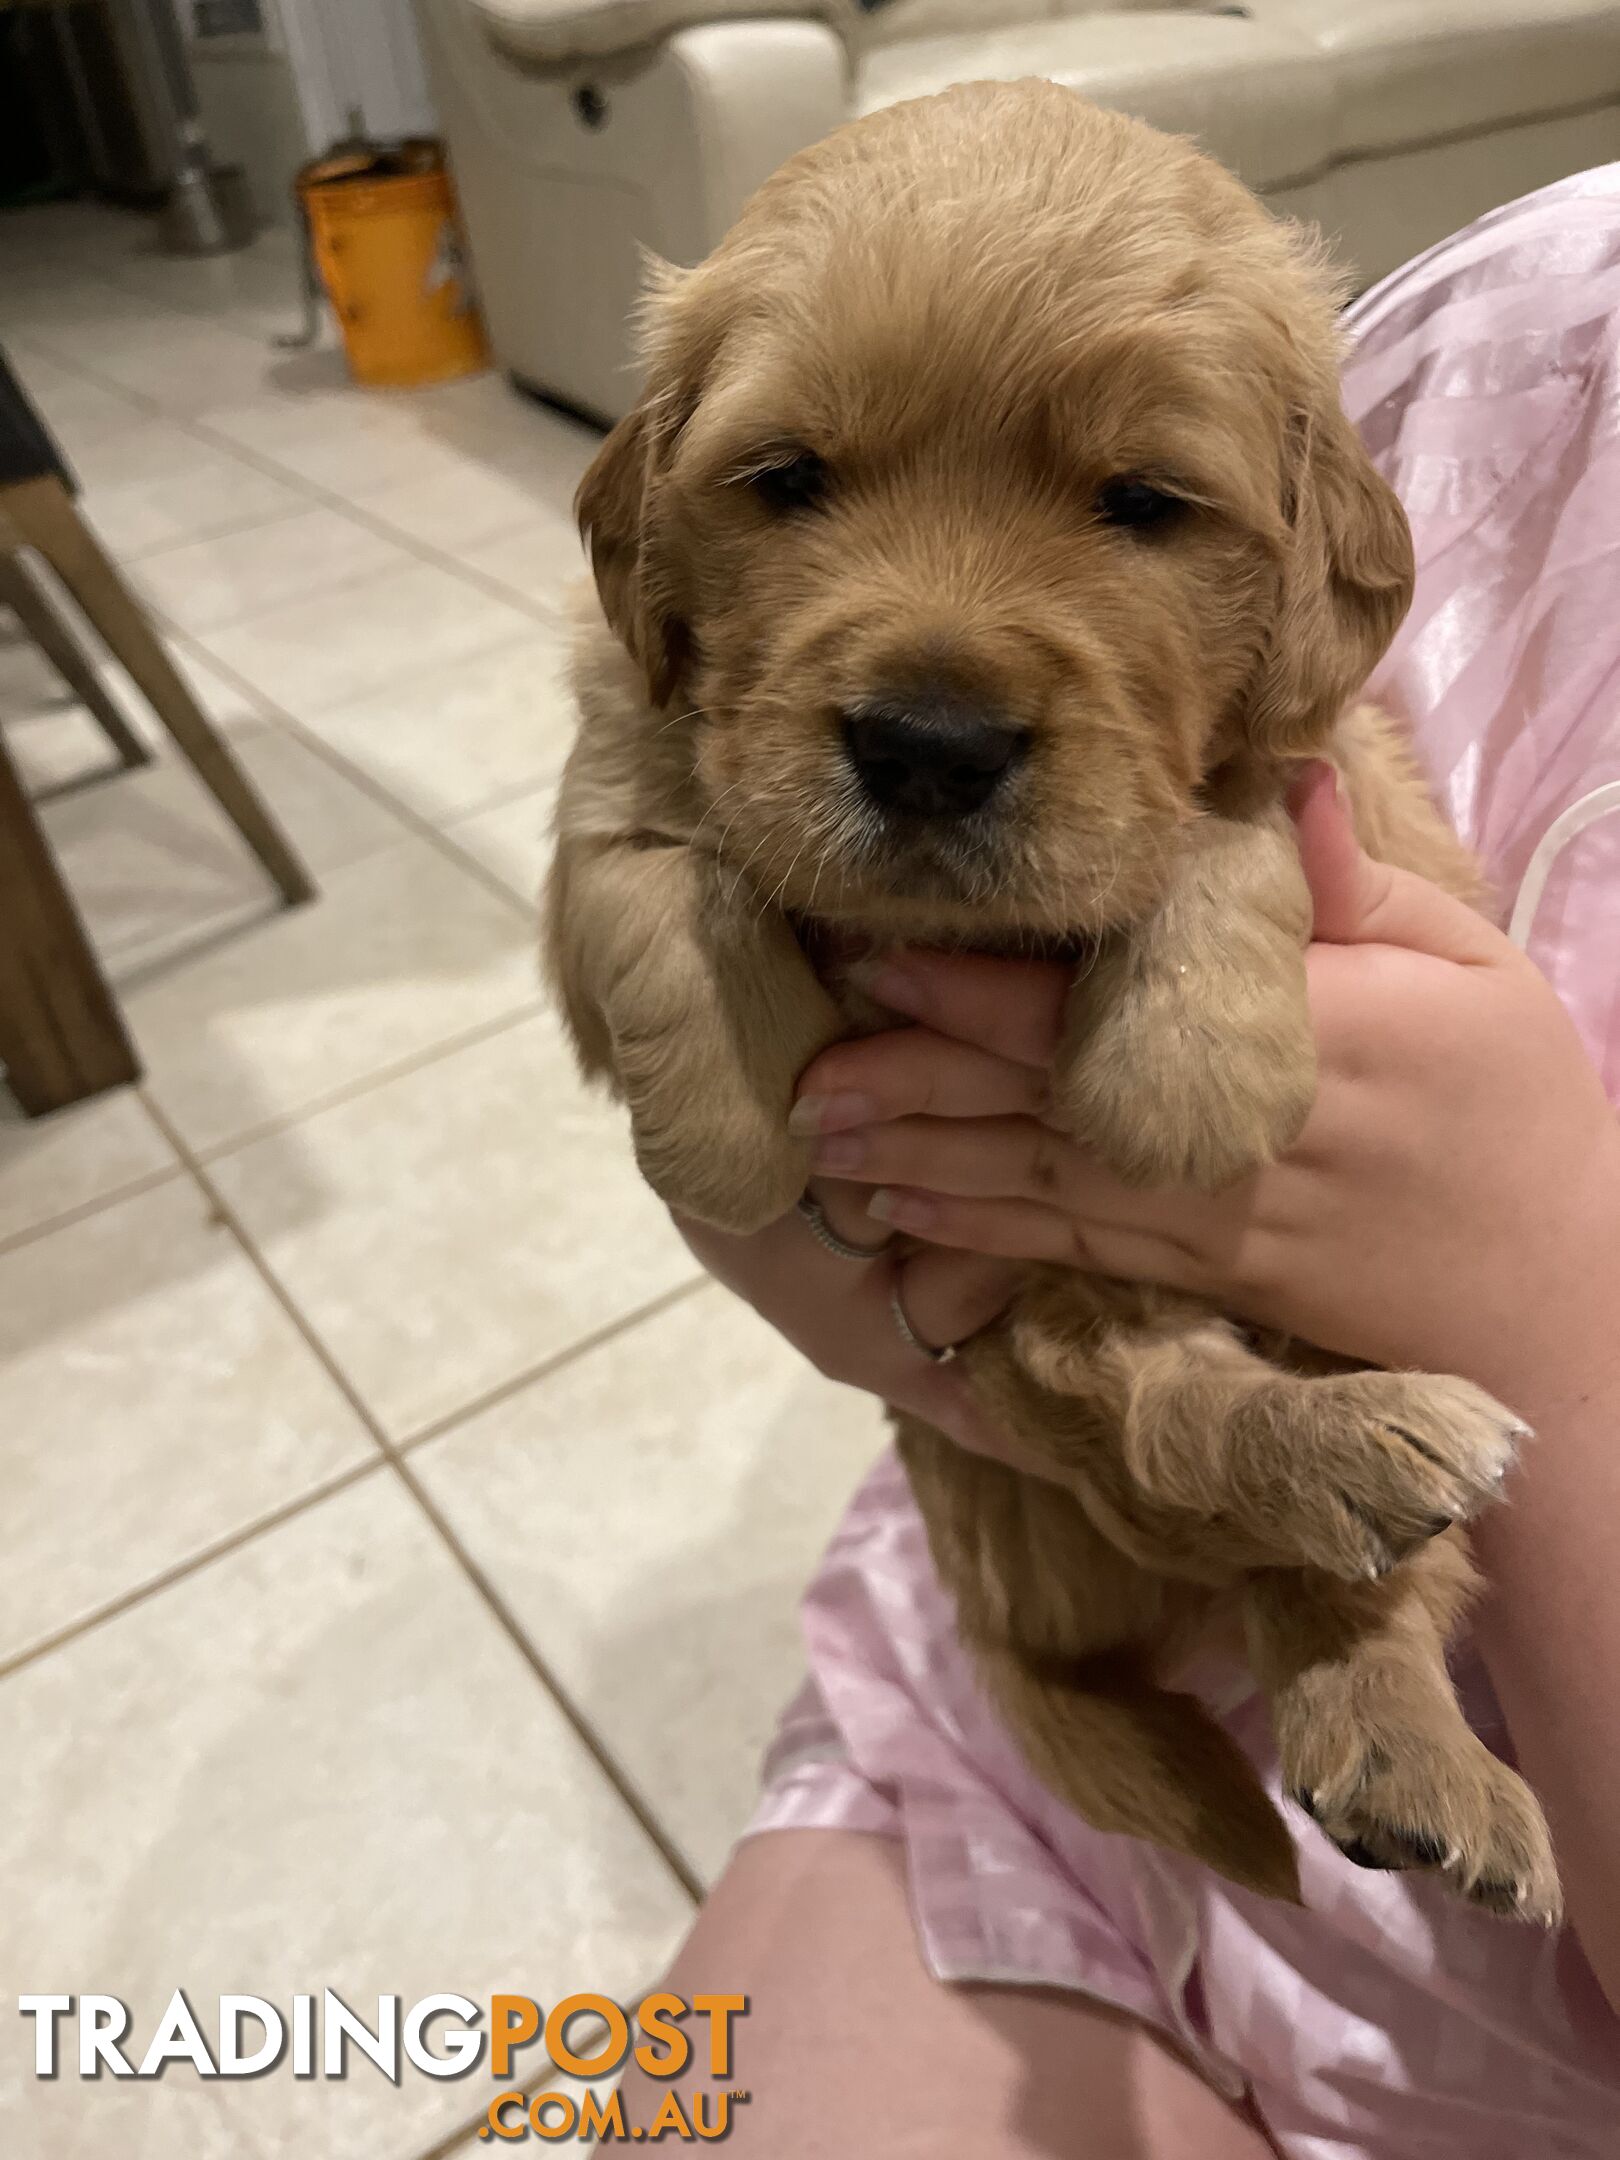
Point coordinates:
[(797, 483), (1137, 505)]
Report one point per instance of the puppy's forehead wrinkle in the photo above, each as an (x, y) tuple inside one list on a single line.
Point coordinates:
[(892, 395), (917, 282)]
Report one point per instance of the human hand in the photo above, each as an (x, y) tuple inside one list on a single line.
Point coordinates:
[(838, 1312), (1452, 1203)]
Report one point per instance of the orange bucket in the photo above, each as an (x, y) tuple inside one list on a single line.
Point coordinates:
[(387, 247)]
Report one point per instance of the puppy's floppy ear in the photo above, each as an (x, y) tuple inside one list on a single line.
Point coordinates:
[(1346, 582), (617, 511)]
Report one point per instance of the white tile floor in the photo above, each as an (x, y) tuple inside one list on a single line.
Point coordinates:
[(401, 1545)]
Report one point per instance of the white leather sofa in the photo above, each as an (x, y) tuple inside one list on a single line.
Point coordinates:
[(583, 132)]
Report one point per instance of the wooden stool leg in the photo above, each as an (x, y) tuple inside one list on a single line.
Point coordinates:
[(44, 514), (61, 1034), (37, 612)]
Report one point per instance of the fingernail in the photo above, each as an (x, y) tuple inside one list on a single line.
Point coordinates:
[(887, 982), (905, 1211), (832, 1113), (839, 1155)]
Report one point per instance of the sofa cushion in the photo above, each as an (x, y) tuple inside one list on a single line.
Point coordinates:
[(894, 22), (550, 34), (886, 22), (1258, 96), (1410, 71)]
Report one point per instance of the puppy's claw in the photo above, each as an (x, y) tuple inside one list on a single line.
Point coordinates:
[(1383, 1462), (1439, 1803)]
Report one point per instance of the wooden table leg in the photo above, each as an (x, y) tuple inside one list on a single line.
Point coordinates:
[(44, 514), (35, 609), (62, 1036)]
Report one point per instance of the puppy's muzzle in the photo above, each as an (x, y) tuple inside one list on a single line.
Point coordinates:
[(930, 756)]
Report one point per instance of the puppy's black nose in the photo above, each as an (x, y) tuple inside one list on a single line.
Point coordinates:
[(930, 757)]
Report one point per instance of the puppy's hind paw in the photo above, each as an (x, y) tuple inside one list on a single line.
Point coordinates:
[(1445, 1805)]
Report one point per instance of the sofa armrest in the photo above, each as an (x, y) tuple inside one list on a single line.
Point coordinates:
[(563, 34)]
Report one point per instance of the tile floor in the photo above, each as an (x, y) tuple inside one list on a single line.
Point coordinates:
[(398, 1569)]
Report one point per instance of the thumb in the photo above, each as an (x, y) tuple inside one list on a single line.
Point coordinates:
[(1358, 901)]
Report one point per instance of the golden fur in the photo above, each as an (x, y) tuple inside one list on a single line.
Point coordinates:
[(978, 311)]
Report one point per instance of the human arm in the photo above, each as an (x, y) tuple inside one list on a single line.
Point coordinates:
[(1453, 1203)]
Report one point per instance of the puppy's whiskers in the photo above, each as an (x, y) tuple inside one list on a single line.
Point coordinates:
[(678, 720), (737, 882), (714, 806)]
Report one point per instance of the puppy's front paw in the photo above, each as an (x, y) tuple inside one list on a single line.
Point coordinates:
[(1177, 1080), (720, 1154)]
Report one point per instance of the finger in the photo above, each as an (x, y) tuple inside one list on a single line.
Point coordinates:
[(782, 1262), (1024, 1163), (1011, 1007), (1357, 901), (949, 1296), (1024, 1230), (911, 1071), (1003, 1158), (997, 1229)]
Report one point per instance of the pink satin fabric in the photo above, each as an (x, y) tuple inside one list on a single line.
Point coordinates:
[(1384, 2021), (1485, 378)]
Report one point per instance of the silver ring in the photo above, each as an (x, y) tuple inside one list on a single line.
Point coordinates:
[(815, 1221), (936, 1354)]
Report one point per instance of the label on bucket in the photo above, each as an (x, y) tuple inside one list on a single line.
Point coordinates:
[(448, 269)]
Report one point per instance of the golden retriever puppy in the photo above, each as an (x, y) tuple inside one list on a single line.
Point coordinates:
[(989, 545)]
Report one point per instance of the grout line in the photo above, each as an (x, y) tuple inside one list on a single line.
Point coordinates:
[(622, 1783), (196, 425), (217, 315), (148, 1181), (218, 1151), (341, 582), (366, 781), (137, 558), (504, 798), (271, 713), (222, 1150), (130, 559), (463, 1415), (543, 614), (550, 615), (135, 959), (468, 857), (233, 1541), (496, 1604), (156, 307), (344, 581)]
